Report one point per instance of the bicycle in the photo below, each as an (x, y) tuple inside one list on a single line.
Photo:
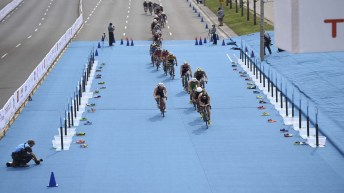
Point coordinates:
[(205, 116), (185, 81), (202, 83), (171, 69), (162, 106)]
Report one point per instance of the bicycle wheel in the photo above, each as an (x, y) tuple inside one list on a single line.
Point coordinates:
[(157, 64)]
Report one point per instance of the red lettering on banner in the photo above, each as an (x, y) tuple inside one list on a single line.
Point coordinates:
[(334, 25)]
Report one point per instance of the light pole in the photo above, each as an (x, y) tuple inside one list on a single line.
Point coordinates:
[(261, 30)]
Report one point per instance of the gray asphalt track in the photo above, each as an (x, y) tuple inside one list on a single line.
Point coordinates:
[(131, 21), (27, 35)]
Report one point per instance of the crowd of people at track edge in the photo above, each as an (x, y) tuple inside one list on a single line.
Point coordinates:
[(193, 84)]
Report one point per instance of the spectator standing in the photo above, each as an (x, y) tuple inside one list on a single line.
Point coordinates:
[(267, 42), (111, 29), (220, 15)]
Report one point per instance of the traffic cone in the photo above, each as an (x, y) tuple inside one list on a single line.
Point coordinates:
[(195, 10), (132, 42), (190, 5), (196, 42), (200, 41), (52, 181), (223, 42), (206, 26), (96, 54), (246, 50), (217, 37), (202, 20), (205, 40), (121, 41), (98, 44), (127, 42), (211, 38), (199, 14)]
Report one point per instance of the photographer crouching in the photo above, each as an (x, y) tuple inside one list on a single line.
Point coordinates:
[(23, 155)]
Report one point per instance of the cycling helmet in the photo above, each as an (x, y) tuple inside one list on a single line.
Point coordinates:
[(161, 84), (199, 89), (199, 69), (185, 62), (193, 79)]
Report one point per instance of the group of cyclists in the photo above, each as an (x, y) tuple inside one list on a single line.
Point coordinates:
[(193, 84)]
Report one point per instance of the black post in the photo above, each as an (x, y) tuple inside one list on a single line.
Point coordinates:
[(272, 89), (254, 13), (245, 58), (316, 128), (300, 115), (248, 10), (281, 97), (286, 106), (65, 124), (236, 6), (71, 112), (75, 105), (230, 4), (68, 115), (242, 7), (292, 105), (307, 123), (61, 134)]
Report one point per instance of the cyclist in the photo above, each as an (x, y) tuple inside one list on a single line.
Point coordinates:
[(160, 91), (171, 60), (150, 6), (200, 75), (145, 6), (152, 49), (195, 96), (185, 69), (204, 102), (192, 85), (157, 56)]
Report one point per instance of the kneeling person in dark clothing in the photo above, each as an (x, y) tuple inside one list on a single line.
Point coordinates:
[(23, 154)]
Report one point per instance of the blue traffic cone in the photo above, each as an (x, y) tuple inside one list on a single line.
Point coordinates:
[(127, 42), (196, 42), (96, 54), (206, 26), (217, 37), (205, 40), (199, 14), (190, 5), (211, 38), (223, 42), (246, 50), (252, 54), (98, 44), (200, 41), (202, 20), (132, 42), (195, 10), (52, 181), (121, 41)]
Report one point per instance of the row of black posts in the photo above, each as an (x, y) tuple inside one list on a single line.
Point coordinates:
[(74, 102), (283, 98), (241, 5)]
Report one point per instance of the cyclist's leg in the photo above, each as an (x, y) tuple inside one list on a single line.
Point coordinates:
[(208, 112)]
